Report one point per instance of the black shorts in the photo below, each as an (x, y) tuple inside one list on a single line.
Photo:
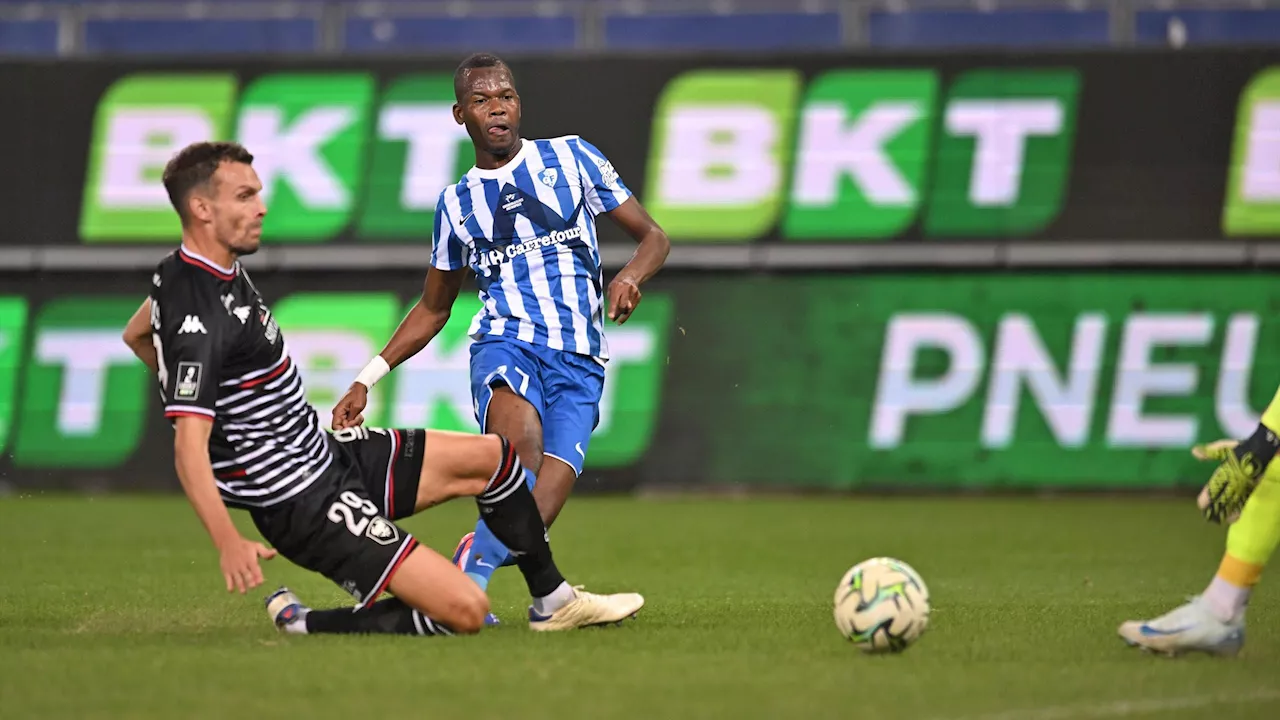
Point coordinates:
[(389, 463), (340, 527)]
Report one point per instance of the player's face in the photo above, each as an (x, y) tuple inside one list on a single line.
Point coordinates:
[(238, 208), (490, 108)]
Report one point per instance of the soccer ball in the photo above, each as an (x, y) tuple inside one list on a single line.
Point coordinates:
[(882, 605)]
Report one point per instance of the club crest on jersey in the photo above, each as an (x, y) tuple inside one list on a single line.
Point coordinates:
[(382, 532), (241, 313), (548, 177)]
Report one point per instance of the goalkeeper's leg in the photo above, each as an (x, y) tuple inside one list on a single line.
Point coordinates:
[(1214, 621), (1252, 540)]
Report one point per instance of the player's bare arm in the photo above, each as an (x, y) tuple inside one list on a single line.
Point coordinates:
[(624, 291), (419, 327), (428, 316), (238, 556), (137, 335)]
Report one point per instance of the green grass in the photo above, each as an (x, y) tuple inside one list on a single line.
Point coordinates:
[(114, 607)]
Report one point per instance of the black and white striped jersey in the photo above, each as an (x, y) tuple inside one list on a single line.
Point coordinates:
[(222, 357)]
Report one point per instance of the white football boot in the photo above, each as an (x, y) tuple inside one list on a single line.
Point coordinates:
[(1189, 628), (587, 609)]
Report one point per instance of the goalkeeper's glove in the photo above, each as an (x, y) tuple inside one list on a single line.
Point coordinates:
[(1241, 467)]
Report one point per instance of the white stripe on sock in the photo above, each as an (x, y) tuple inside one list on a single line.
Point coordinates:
[(503, 491)]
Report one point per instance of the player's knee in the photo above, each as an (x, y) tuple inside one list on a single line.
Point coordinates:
[(528, 454), (476, 457), (529, 451), (468, 610)]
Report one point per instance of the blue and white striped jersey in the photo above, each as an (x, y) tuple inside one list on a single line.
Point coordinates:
[(528, 231)]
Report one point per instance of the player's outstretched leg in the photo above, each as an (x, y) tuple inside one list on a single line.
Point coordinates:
[(480, 553), (431, 597), (510, 512), (551, 434), (1213, 622), (391, 616)]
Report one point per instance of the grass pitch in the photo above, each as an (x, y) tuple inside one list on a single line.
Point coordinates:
[(114, 607)]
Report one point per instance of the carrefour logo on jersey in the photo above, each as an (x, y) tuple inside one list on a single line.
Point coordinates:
[(497, 256), (333, 152), (736, 155)]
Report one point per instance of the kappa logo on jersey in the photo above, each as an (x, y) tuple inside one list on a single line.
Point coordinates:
[(382, 532), (191, 324), (188, 381), (548, 177)]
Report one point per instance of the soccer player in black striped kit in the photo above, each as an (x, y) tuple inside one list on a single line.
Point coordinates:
[(245, 437)]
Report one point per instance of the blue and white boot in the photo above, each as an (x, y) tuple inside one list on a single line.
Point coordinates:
[(1192, 627), (287, 611)]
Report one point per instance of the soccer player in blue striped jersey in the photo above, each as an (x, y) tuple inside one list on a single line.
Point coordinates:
[(524, 221)]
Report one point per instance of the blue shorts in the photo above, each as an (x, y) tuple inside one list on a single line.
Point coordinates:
[(563, 387)]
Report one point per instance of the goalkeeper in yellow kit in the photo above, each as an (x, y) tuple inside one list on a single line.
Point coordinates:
[(1244, 491)]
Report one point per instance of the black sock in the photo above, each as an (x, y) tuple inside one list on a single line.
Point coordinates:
[(390, 617), (508, 508)]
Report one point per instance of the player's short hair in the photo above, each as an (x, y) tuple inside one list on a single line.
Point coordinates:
[(473, 62), (194, 167)]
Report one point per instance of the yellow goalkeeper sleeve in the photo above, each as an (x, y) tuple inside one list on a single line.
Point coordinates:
[(1252, 540), (1271, 416)]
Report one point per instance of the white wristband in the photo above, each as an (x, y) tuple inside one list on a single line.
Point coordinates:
[(373, 372)]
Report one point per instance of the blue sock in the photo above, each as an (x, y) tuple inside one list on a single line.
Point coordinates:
[(487, 553)]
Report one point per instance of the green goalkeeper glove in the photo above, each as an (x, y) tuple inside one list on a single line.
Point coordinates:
[(1241, 466)]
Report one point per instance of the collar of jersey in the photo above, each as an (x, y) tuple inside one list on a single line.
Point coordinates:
[(197, 256), (496, 173)]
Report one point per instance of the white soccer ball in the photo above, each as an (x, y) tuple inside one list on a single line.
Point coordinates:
[(882, 605)]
